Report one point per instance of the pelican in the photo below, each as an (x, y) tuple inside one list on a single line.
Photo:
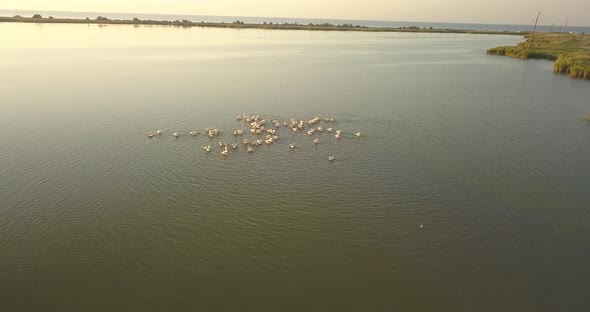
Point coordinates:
[(329, 130), (176, 134), (292, 145), (224, 152), (320, 129), (246, 141), (150, 135), (159, 132), (316, 141), (358, 134), (249, 149), (421, 225), (194, 133), (207, 148), (337, 136), (331, 158), (234, 146)]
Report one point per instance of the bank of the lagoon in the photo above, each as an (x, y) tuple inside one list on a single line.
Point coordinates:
[(292, 20), (242, 25), (466, 191), (571, 52)]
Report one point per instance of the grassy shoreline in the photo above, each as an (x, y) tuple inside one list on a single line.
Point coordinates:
[(242, 25), (570, 52)]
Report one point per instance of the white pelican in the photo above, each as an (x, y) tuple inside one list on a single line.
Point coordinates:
[(329, 130), (159, 132), (249, 149), (194, 133), (234, 146), (421, 225), (176, 134), (316, 141), (207, 148), (292, 145), (331, 158), (358, 134), (320, 129), (224, 152), (150, 135)]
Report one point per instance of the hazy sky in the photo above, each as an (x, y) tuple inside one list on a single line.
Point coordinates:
[(468, 11)]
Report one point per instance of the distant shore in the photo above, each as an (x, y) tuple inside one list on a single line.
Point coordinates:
[(569, 51), (242, 25)]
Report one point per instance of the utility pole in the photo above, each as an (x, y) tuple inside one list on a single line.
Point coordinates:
[(534, 28), (551, 34), (565, 28)]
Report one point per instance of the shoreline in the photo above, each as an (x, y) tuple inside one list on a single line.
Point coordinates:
[(569, 51), (242, 25)]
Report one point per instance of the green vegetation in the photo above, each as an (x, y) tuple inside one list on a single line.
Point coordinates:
[(571, 52), (241, 24)]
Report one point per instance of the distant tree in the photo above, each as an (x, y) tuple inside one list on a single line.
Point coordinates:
[(51, 17), (135, 19), (431, 27), (87, 18), (37, 16), (18, 16)]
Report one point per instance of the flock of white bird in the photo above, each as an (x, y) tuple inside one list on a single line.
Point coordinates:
[(266, 133)]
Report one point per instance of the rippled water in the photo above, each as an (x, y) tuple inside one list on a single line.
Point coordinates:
[(489, 154)]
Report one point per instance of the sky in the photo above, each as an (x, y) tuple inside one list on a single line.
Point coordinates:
[(454, 11)]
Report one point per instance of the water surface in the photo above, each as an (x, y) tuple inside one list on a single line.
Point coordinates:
[(489, 154)]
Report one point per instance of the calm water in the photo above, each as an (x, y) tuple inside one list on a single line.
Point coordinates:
[(489, 154)]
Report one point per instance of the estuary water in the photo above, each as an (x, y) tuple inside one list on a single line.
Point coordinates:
[(468, 189)]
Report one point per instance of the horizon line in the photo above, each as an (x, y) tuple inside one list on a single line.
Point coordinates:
[(248, 16)]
